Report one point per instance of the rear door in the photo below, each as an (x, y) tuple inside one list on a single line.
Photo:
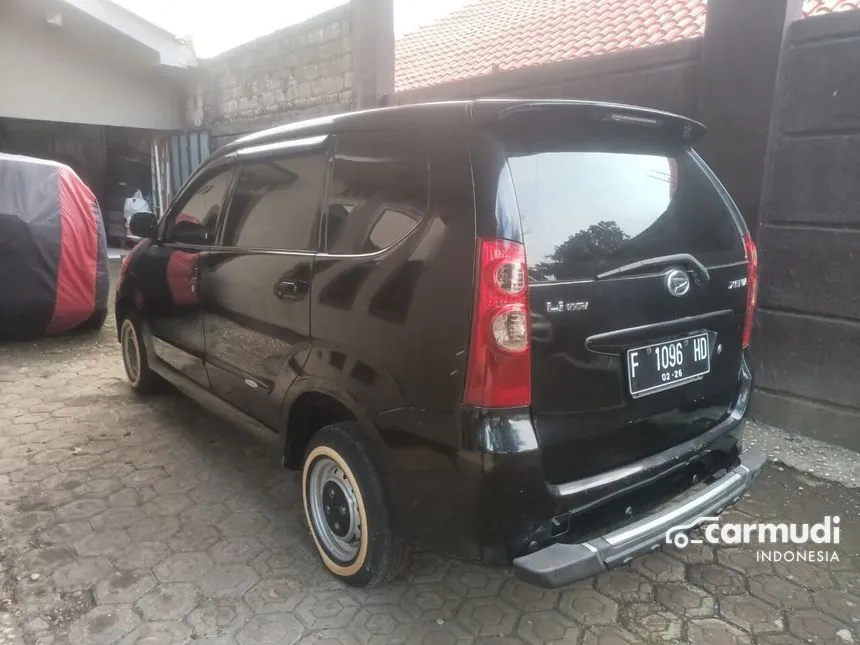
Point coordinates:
[(255, 285), (637, 287)]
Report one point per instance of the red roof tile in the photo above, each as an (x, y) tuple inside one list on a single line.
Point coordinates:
[(491, 35)]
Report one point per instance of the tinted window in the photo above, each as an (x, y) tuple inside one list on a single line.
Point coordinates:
[(378, 191), (275, 204), (584, 211), (197, 219)]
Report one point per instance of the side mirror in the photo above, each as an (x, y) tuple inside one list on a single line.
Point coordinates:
[(143, 224)]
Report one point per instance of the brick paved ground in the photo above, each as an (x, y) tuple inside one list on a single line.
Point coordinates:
[(130, 521)]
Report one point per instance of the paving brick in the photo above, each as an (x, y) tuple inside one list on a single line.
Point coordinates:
[(228, 581), (743, 561), (609, 635), (140, 555), (432, 601), (527, 597), (376, 622), (686, 600), (716, 579), (487, 617), (243, 524), (624, 585), (547, 627), (327, 610), (280, 629), (751, 614), (82, 573), (711, 631), (840, 605), (272, 596), (154, 528), (241, 550), (471, 580), (194, 536), (103, 625), (169, 601), (216, 618), (815, 626), (659, 567), (588, 607), (102, 542), (123, 587), (780, 639), (807, 574), (652, 622), (158, 632), (780, 592), (183, 567)]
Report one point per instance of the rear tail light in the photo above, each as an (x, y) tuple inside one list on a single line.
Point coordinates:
[(752, 286), (499, 371)]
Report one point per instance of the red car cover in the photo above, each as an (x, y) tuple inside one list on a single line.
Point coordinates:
[(53, 251)]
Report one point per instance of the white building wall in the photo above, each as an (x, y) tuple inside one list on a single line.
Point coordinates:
[(46, 76)]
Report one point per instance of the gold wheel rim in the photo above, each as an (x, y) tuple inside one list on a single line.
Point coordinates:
[(338, 569), (131, 353)]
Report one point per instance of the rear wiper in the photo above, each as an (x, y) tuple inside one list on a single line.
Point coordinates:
[(699, 271)]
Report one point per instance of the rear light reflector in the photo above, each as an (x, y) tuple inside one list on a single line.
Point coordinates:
[(511, 329), (752, 287), (499, 369)]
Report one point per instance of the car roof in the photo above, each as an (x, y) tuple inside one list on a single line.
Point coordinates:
[(443, 115)]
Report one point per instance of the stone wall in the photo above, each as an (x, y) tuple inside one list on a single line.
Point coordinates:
[(301, 71), (807, 341)]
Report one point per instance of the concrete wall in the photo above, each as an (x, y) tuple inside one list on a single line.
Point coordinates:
[(47, 75), (301, 71), (807, 341), (664, 77)]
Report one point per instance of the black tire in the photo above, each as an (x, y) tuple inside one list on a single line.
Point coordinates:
[(142, 379), (381, 553)]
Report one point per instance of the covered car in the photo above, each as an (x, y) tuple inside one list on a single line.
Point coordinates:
[(53, 251)]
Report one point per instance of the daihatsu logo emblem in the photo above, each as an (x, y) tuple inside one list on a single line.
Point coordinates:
[(677, 282)]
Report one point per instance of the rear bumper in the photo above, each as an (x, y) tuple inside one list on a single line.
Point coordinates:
[(560, 564)]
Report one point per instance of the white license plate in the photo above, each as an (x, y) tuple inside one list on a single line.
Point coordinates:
[(660, 366)]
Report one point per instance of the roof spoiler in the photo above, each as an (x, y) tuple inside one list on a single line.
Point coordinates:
[(688, 130)]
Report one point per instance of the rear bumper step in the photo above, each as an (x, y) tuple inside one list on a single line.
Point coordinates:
[(560, 564)]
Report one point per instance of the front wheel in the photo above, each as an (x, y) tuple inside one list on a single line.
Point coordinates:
[(142, 379), (347, 511)]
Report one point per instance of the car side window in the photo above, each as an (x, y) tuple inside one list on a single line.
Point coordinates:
[(378, 193), (196, 220), (276, 204)]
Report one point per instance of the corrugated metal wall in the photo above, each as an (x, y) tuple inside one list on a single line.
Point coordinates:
[(187, 151)]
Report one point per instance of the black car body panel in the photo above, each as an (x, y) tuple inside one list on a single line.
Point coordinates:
[(368, 303)]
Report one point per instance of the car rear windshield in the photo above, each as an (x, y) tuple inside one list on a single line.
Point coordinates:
[(585, 211)]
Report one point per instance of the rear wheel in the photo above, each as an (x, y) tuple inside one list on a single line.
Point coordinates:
[(140, 377), (347, 510)]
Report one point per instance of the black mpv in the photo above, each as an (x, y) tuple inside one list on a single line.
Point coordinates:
[(513, 331)]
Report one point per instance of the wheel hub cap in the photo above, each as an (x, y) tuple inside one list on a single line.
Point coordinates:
[(334, 510), (129, 352)]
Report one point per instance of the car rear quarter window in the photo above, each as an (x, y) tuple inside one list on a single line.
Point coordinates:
[(588, 211), (275, 204), (378, 193)]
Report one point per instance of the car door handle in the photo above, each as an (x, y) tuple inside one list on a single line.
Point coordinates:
[(290, 289)]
